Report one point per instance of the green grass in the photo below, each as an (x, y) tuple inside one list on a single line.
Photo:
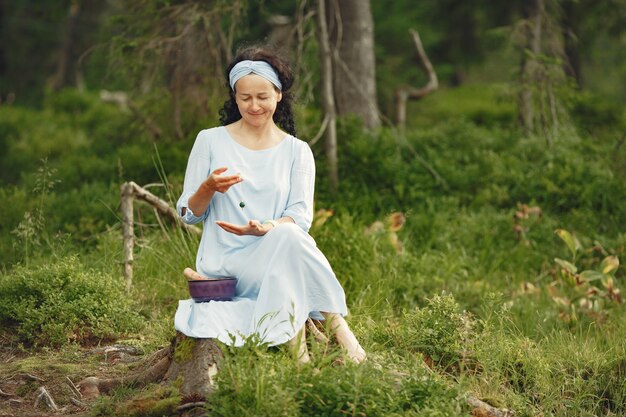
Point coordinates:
[(468, 305)]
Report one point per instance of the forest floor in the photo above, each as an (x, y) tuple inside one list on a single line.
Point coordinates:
[(25, 375)]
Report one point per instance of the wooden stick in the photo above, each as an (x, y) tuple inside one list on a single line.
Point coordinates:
[(73, 387), (42, 393), (128, 231), (34, 377), (162, 207), (5, 394), (405, 93), (78, 402), (481, 408)]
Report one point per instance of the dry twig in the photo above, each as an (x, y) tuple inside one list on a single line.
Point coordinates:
[(43, 394)]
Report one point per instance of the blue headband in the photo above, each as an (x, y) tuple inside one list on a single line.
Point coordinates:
[(262, 68)]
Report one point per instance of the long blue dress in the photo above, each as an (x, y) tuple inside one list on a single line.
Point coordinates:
[(283, 278)]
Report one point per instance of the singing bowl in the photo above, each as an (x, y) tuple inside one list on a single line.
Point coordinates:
[(214, 289)]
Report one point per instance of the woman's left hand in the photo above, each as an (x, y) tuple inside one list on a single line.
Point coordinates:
[(254, 227)]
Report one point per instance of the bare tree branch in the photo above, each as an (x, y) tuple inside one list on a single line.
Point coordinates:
[(405, 93)]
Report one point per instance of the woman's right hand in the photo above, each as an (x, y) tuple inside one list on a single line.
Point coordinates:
[(221, 183), (216, 182)]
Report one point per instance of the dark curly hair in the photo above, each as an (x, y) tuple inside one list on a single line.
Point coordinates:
[(283, 116)]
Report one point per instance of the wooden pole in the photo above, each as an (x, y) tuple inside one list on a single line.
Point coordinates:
[(128, 231)]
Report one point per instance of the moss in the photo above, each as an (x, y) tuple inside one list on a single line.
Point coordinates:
[(164, 407), (155, 401), (178, 382), (184, 349), (26, 389)]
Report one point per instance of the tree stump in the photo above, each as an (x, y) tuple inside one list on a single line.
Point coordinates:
[(191, 364), (195, 364)]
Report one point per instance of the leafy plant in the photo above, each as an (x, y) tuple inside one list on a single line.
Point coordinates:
[(588, 291), (29, 230)]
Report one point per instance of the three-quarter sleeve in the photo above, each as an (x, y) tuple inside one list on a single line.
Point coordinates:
[(198, 169), (302, 186)]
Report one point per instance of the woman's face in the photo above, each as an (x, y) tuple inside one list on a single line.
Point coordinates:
[(256, 99)]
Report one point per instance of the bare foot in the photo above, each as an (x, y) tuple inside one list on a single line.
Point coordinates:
[(192, 275), (298, 347), (345, 337)]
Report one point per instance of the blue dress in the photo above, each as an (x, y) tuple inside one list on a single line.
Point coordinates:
[(282, 277)]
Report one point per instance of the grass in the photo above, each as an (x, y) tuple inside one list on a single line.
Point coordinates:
[(468, 305)]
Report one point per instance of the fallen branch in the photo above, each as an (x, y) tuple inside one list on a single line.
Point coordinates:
[(5, 394), (160, 205), (42, 393), (73, 387), (78, 402), (34, 377), (405, 93), (482, 409)]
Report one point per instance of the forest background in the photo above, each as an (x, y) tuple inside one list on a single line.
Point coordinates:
[(479, 242)]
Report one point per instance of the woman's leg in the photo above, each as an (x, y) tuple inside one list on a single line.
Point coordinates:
[(298, 346), (345, 337)]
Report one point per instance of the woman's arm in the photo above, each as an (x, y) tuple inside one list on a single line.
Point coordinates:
[(216, 182), (253, 227), (302, 186)]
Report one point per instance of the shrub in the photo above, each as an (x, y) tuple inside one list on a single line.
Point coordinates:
[(438, 330), (64, 302)]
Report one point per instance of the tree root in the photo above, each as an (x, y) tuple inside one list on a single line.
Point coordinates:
[(191, 362)]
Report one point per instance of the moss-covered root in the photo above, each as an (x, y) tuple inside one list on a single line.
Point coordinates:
[(152, 370)]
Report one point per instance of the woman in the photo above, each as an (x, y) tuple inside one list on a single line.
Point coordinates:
[(251, 183)]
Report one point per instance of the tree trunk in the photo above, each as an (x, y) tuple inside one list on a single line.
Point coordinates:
[(351, 31), (533, 12), (67, 54), (3, 47), (195, 363), (328, 102), (571, 29)]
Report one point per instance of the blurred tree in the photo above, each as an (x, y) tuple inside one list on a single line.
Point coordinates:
[(542, 80), (40, 43), (327, 95), (351, 33), (173, 55), (582, 23), (78, 22), (460, 24)]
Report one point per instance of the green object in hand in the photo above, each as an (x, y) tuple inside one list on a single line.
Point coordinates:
[(242, 204)]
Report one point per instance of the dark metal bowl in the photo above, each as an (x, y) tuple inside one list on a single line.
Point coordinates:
[(214, 289)]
